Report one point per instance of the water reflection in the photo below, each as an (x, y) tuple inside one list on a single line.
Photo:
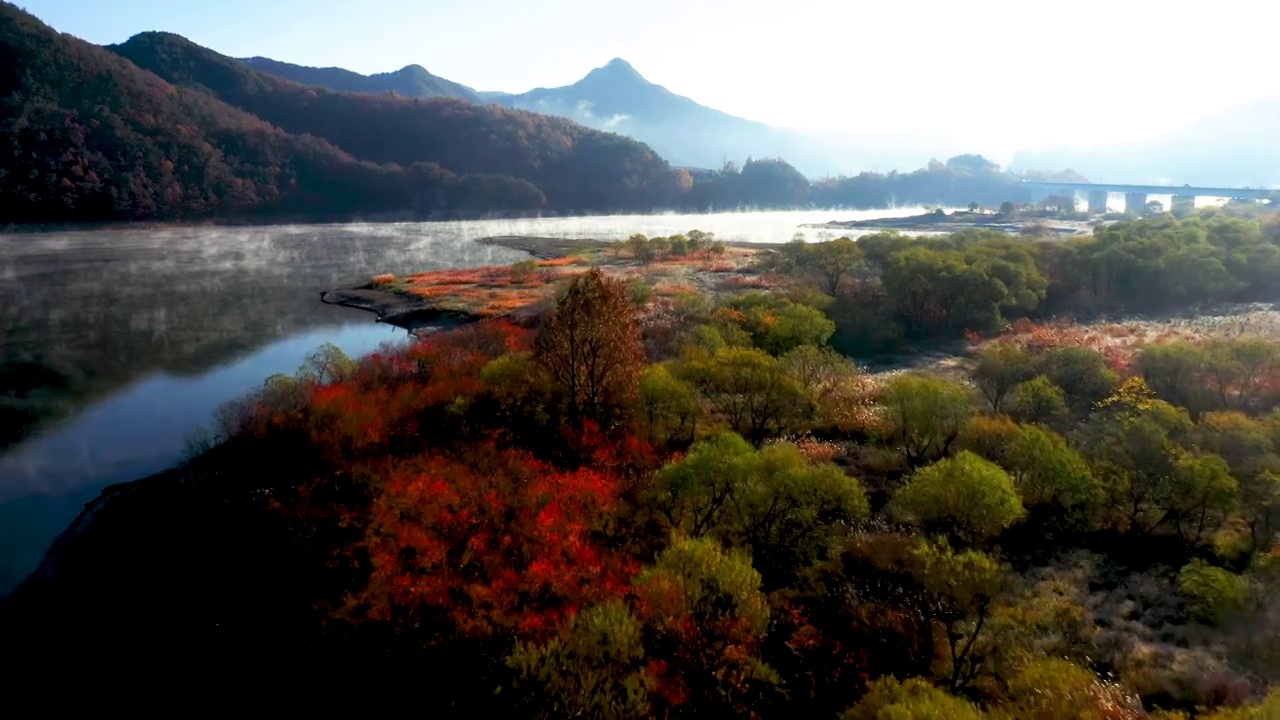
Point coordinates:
[(134, 336)]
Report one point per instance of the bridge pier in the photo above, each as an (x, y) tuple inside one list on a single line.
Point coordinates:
[(1135, 203), (1098, 202), (1183, 203)]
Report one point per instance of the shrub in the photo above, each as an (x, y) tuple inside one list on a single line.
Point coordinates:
[(1209, 592), (523, 269)]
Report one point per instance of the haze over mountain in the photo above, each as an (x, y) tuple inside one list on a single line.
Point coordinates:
[(1237, 147), (92, 135), (617, 98), (411, 81)]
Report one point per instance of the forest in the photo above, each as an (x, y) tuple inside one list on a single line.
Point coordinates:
[(159, 128), (667, 504), (93, 137)]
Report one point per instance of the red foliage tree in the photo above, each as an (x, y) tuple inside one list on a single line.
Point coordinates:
[(498, 543)]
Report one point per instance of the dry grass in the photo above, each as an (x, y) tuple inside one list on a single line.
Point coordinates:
[(497, 290)]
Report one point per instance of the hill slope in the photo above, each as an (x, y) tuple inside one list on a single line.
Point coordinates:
[(617, 98), (412, 81), (577, 168), (88, 136)]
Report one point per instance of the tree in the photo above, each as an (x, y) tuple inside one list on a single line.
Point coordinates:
[(915, 699), (775, 323), (590, 346), (1238, 370), (640, 247), (1002, 367), (1174, 371), (594, 668), (965, 496), (959, 591), (669, 404), (1038, 400), (1082, 374), (705, 617), (748, 389), (500, 543), (1047, 471), (773, 501), (923, 415), (1007, 208), (834, 260), (1209, 592), (1056, 689)]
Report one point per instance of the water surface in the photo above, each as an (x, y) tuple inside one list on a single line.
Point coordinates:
[(116, 346)]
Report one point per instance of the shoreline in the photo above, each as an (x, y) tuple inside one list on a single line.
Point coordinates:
[(431, 300), (962, 220)]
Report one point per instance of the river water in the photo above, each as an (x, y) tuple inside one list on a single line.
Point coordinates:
[(117, 346)]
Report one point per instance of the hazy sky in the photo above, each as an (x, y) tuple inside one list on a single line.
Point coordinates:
[(992, 76)]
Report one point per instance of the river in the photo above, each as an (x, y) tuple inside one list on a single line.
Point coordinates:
[(117, 346)]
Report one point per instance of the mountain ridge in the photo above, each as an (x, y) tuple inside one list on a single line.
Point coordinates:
[(412, 81), (575, 166)]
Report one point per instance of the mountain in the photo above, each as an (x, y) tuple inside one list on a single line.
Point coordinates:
[(412, 81), (618, 99), (1236, 148), (576, 167), (88, 136)]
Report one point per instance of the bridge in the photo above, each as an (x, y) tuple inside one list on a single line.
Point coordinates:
[(1135, 196)]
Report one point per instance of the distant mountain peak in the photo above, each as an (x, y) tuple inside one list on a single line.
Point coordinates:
[(616, 70)]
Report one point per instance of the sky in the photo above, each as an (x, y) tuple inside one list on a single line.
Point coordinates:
[(990, 76)]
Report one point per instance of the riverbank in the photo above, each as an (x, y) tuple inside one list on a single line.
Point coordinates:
[(960, 220), (520, 291)]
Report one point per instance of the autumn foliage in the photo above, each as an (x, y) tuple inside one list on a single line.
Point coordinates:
[(496, 542)]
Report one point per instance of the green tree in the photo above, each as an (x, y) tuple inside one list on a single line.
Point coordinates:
[(923, 415), (1047, 471), (327, 365), (1082, 374), (1038, 400), (748, 389), (640, 247), (965, 496), (915, 699), (705, 618), (594, 668), (669, 404), (785, 509), (1174, 370), (1211, 593), (1001, 367), (834, 260), (776, 324), (959, 591), (1237, 371), (1050, 688)]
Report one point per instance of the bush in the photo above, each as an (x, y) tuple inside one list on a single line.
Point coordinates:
[(523, 269), (971, 498), (1211, 593)]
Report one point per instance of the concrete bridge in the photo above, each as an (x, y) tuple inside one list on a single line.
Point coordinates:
[(1135, 196)]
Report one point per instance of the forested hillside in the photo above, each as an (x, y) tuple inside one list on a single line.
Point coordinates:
[(89, 136), (412, 81), (645, 500), (577, 168)]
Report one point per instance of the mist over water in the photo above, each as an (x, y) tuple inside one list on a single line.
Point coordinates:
[(116, 346)]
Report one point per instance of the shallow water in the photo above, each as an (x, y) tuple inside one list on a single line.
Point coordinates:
[(116, 346)]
